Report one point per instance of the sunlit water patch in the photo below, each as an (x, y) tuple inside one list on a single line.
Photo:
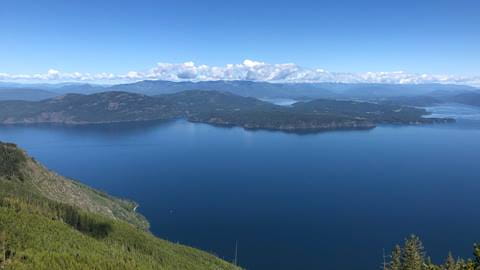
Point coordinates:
[(280, 101), (456, 111)]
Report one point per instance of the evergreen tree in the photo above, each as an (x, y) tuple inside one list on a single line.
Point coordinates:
[(396, 259), (469, 265), (476, 254), (450, 263), (413, 256)]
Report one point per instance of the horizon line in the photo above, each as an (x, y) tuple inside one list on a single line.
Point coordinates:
[(59, 83), (248, 70)]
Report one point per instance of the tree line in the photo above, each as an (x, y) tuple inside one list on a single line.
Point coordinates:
[(84, 222), (11, 160), (412, 256)]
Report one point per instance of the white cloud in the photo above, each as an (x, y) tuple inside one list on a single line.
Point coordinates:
[(247, 70)]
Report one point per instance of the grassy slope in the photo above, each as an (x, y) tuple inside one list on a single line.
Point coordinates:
[(39, 235), (58, 188)]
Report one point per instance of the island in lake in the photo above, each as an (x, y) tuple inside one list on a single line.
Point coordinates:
[(212, 107)]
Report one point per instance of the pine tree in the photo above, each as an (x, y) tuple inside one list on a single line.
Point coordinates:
[(413, 256), (450, 263), (476, 254), (469, 265), (396, 259)]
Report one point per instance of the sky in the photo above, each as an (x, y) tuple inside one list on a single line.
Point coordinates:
[(428, 40)]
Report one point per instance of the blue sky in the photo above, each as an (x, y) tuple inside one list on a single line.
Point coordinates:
[(435, 37)]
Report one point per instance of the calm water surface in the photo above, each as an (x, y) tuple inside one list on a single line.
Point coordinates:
[(322, 201)]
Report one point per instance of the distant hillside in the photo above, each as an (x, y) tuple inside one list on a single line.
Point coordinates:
[(417, 101), (242, 88), (377, 113), (48, 222), (293, 90), (36, 92), (25, 94), (398, 90), (262, 90), (78, 88), (60, 88), (211, 107), (472, 99)]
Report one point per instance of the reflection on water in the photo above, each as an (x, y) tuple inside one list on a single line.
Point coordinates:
[(456, 111)]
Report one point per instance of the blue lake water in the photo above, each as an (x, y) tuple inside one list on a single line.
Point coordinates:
[(280, 101), (319, 201)]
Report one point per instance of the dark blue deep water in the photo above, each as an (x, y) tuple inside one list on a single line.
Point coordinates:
[(321, 201)]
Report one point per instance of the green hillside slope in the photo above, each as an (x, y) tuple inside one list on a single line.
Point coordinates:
[(49, 222)]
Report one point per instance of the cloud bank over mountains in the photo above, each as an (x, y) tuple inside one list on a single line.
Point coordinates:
[(248, 70)]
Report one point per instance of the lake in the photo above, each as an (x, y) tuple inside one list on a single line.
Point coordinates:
[(331, 200)]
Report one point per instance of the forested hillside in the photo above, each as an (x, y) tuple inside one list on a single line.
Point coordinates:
[(218, 108), (54, 223)]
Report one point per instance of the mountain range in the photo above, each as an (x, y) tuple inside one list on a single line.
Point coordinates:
[(247, 88)]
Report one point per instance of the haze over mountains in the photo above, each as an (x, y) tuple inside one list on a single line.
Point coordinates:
[(437, 93), (25, 94)]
